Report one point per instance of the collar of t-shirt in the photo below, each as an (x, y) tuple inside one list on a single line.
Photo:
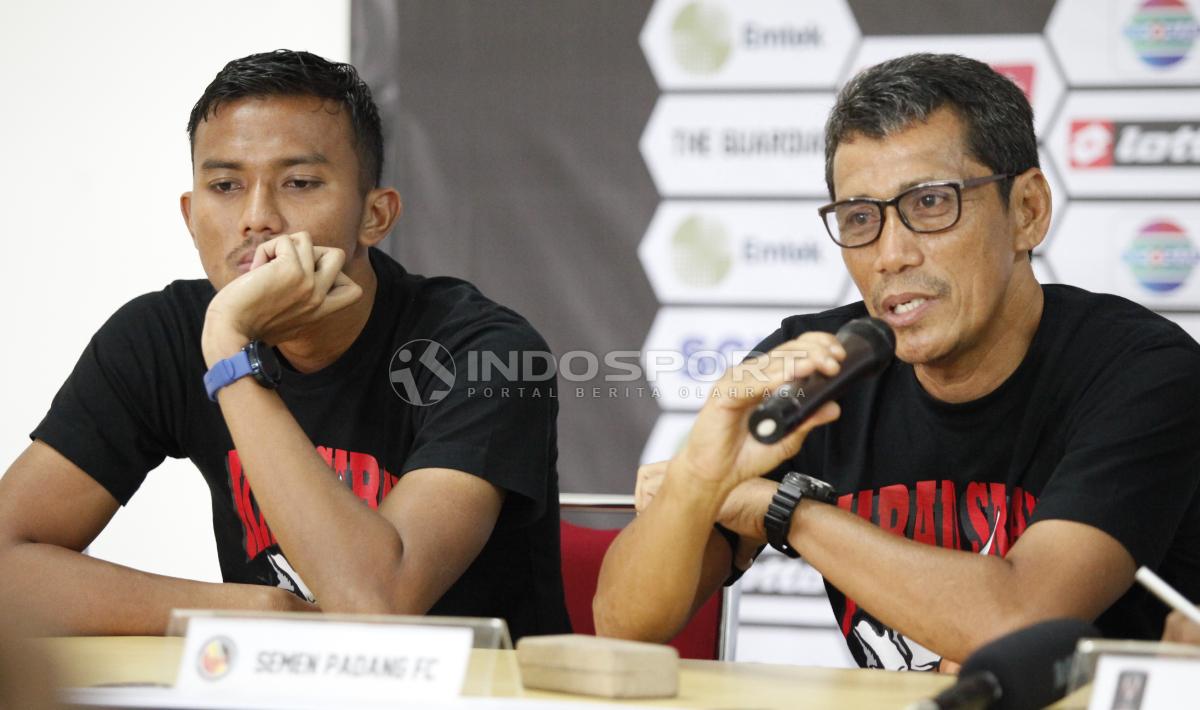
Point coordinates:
[(373, 336)]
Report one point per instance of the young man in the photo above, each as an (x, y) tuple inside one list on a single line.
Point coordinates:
[(306, 350), (1029, 447)]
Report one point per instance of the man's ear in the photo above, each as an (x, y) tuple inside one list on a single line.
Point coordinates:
[(1030, 209), (381, 209), (185, 208)]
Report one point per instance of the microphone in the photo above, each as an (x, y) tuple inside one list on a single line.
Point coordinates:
[(1024, 670), (869, 344)]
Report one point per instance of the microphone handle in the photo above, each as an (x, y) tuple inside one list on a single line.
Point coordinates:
[(975, 691), (794, 402)]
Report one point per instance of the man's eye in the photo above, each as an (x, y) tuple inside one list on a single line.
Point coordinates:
[(224, 186), (302, 183), (858, 217), (932, 198)]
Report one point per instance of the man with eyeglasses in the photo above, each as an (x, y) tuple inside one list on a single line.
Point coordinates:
[(1029, 448)]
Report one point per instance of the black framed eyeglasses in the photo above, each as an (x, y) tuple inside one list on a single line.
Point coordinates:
[(925, 208)]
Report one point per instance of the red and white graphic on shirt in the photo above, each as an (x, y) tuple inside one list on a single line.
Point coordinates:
[(361, 473), (987, 520)]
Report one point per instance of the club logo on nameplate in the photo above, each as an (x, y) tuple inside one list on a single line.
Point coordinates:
[(216, 657)]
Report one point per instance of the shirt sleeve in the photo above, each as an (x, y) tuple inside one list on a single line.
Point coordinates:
[(1132, 461), (498, 419), (108, 417)]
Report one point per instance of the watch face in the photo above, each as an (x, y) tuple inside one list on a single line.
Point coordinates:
[(264, 363), (822, 490), (814, 487)]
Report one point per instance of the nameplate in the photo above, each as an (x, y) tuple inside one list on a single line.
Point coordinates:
[(1143, 683), (313, 660)]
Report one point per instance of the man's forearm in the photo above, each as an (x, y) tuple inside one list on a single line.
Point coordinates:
[(62, 591), (949, 601), (661, 564), (347, 554)]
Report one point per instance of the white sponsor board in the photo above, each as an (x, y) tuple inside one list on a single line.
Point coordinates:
[(1128, 143), (1144, 251), (688, 348), (850, 295), (784, 616), (1127, 42), (731, 44), (736, 145), (1189, 322), (798, 646), (667, 436), (1023, 58), (1058, 195), (1042, 271), (754, 253)]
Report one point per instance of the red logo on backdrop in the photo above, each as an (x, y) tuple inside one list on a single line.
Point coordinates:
[(1091, 144), (1019, 74)]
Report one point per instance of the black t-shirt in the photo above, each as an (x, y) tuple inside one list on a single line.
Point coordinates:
[(384, 408), (1099, 424)]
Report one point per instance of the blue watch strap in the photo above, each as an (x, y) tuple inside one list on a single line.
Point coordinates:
[(226, 372)]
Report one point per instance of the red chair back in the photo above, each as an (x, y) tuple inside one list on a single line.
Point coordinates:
[(582, 552)]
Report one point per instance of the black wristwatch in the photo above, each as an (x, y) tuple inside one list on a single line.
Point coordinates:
[(792, 489)]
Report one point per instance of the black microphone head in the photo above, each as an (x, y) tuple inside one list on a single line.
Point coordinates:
[(1032, 664), (877, 337)]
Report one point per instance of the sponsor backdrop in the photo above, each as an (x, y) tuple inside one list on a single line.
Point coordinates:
[(644, 175)]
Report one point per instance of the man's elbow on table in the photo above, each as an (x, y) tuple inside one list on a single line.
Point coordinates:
[(616, 616)]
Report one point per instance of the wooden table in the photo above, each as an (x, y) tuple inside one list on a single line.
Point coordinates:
[(91, 661)]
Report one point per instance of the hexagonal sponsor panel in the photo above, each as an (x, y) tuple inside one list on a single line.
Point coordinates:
[(1042, 271), (1127, 42), (667, 437), (735, 145), (1189, 322), (688, 348), (1128, 143), (745, 253), (1148, 252), (1058, 196), (1023, 58), (849, 295), (741, 44)]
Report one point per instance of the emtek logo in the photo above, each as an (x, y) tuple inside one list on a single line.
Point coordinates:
[(1104, 144), (1162, 32), (702, 37), (701, 251)]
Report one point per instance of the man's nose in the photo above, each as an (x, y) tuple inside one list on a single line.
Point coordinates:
[(261, 217), (898, 247)]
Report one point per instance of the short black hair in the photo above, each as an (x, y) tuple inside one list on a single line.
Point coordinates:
[(286, 72), (892, 95)]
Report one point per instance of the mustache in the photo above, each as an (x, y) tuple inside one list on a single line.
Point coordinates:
[(922, 283), (247, 247)]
